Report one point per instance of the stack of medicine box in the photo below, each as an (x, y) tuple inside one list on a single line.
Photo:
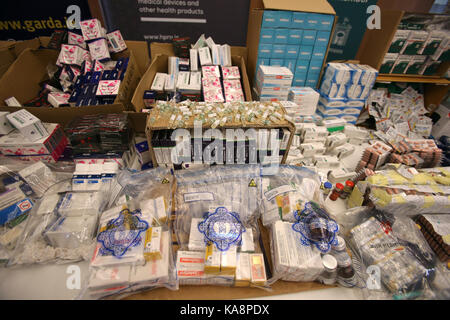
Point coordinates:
[(296, 40), (414, 50), (273, 83), (344, 90)]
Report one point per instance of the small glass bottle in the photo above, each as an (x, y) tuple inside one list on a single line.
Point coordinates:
[(336, 191), (348, 188), (327, 186), (329, 274), (347, 277)]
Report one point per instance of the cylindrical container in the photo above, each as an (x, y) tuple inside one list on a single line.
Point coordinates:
[(340, 246), (347, 277), (336, 191), (343, 259), (348, 188), (327, 186), (329, 274)]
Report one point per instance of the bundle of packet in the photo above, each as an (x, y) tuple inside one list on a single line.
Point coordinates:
[(287, 192), (134, 245), (216, 227), (394, 249)]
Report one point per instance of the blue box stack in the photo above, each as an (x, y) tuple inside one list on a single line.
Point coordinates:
[(344, 90), (296, 40)]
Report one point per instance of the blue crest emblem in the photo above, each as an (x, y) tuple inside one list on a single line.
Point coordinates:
[(121, 234), (222, 227), (316, 227)]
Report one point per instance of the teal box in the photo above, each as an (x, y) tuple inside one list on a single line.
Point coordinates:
[(319, 53), (295, 36), (298, 20), (292, 52), (270, 19), (305, 52), (262, 62), (281, 36), (312, 21), (290, 64), (284, 19), (277, 62), (298, 82), (265, 50), (278, 51), (302, 66), (267, 35), (309, 37), (315, 66), (326, 22), (311, 83), (322, 38), (313, 76), (301, 75)]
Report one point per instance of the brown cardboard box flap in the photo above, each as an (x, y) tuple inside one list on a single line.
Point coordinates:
[(24, 75), (64, 115), (319, 6)]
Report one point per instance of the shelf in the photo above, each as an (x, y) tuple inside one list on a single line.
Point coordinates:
[(382, 77)]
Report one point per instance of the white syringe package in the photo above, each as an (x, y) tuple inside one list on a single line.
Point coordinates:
[(134, 243), (216, 227)]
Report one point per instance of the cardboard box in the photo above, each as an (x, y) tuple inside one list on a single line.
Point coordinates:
[(264, 14), (160, 64), (10, 51), (23, 78)]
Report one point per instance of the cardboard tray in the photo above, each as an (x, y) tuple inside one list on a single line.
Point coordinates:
[(163, 124), (160, 64)]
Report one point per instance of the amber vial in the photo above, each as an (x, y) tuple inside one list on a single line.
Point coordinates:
[(336, 191), (349, 185)]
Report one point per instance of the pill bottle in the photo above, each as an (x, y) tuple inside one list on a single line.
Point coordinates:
[(329, 274), (347, 277), (348, 188), (336, 191), (327, 186)]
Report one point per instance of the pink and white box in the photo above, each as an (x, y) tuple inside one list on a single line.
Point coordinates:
[(91, 29), (108, 88), (70, 54), (230, 73), (210, 72), (99, 49), (57, 99), (77, 39), (116, 42), (212, 90)]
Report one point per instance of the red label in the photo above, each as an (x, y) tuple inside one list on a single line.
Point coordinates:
[(191, 260), (279, 77)]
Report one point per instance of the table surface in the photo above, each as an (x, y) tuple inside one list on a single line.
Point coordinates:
[(49, 282)]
